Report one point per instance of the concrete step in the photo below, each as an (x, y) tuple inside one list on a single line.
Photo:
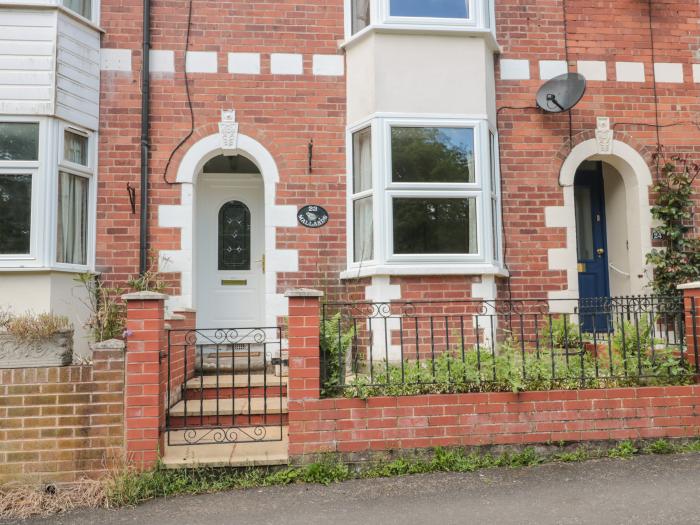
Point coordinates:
[(271, 451), (210, 407), (236, 380)]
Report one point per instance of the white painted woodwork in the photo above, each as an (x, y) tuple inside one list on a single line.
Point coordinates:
[(49, 65)]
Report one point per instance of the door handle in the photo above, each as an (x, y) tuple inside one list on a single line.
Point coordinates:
[(600, 252), (263, 262)]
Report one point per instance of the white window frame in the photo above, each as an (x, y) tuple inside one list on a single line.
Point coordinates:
[(384, 189), (34, 168), (470, 21), (87, 172), (481, 17), (94, 11)]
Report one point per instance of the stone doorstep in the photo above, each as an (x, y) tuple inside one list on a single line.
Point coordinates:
[(259, 453), (227, 407), (236, 380)]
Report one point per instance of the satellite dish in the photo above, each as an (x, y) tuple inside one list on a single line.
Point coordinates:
[(561, 93)]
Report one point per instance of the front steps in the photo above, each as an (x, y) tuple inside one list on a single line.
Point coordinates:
[(261, 453), (236, 406)]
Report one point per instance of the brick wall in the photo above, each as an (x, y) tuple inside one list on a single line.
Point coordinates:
[(534, 145), (386, 423), (61, 424)]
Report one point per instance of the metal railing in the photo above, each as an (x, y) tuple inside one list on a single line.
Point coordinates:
[(397, 348), (221, 386)]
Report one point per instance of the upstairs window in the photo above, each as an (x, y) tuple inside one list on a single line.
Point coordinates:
[(429, 8), (82, 7), (360, 15)]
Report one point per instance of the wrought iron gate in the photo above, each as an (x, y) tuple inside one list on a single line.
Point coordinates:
[(225, 385)]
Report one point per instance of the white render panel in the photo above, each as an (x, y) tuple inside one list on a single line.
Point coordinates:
[(668, 72), (201, 62), (515, 69), (696, 73), (286, 64), (328, 65), (27, 50), (629, 71), (592, 69), (244, 63), (161, 61), (552, 68), (78, 73), (115, 59)]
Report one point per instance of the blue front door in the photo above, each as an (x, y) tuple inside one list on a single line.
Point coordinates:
[(593, 279)]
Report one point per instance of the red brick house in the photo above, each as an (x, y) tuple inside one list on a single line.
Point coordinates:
[(376, 150), (325, 104)]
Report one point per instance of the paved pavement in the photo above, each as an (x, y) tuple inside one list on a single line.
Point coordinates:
[(659, 490)]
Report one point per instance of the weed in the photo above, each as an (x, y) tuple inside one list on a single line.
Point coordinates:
[(623, 450), (31, 327)]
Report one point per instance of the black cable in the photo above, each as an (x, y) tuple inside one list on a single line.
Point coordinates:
[(500, 183), (189, 100), (653, 76), (566, 57)]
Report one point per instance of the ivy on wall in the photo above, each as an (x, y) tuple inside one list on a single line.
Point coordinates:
[(678, 261)]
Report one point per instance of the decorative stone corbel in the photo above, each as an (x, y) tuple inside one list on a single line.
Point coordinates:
[(228, 131), (604, 136)]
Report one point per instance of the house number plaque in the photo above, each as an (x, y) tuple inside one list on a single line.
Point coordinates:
[(312, 216)]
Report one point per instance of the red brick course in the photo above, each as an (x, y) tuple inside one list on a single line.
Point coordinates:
[(386, 423), (475, 419)]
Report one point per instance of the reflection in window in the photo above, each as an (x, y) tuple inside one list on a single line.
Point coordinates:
[(430, 8), (19, 141), (363, 230), (15, 213), (360, 15), (72, 232), (82, 7), (432, 155), (434, 225), (234, 236), (75, 148)]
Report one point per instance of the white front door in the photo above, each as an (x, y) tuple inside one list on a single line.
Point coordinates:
[(230, 249)]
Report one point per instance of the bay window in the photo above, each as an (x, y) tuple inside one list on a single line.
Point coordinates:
[(73, 198), (81, 7), (476, 14), (15, 213), (427, 198), (430, 8), (19, 161), (46, 194)]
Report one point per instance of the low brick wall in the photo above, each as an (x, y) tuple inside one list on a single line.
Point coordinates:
[(386, 423), (61, 424)]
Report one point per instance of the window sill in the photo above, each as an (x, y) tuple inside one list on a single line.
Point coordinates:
[(42, 269), (424, 29), (423, 269)]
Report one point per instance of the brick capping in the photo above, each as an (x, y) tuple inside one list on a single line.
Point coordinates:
[(689, 286), (303, 292)]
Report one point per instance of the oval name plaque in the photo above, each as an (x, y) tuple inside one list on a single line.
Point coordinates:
[(312, 216)]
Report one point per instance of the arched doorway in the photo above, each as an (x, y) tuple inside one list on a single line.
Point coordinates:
[(230, 244), (616, 187)]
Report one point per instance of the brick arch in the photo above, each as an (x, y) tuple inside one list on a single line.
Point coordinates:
[(212, 128), (621, 136)]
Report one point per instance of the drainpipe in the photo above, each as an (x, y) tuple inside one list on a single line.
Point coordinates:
[(145, 122)]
